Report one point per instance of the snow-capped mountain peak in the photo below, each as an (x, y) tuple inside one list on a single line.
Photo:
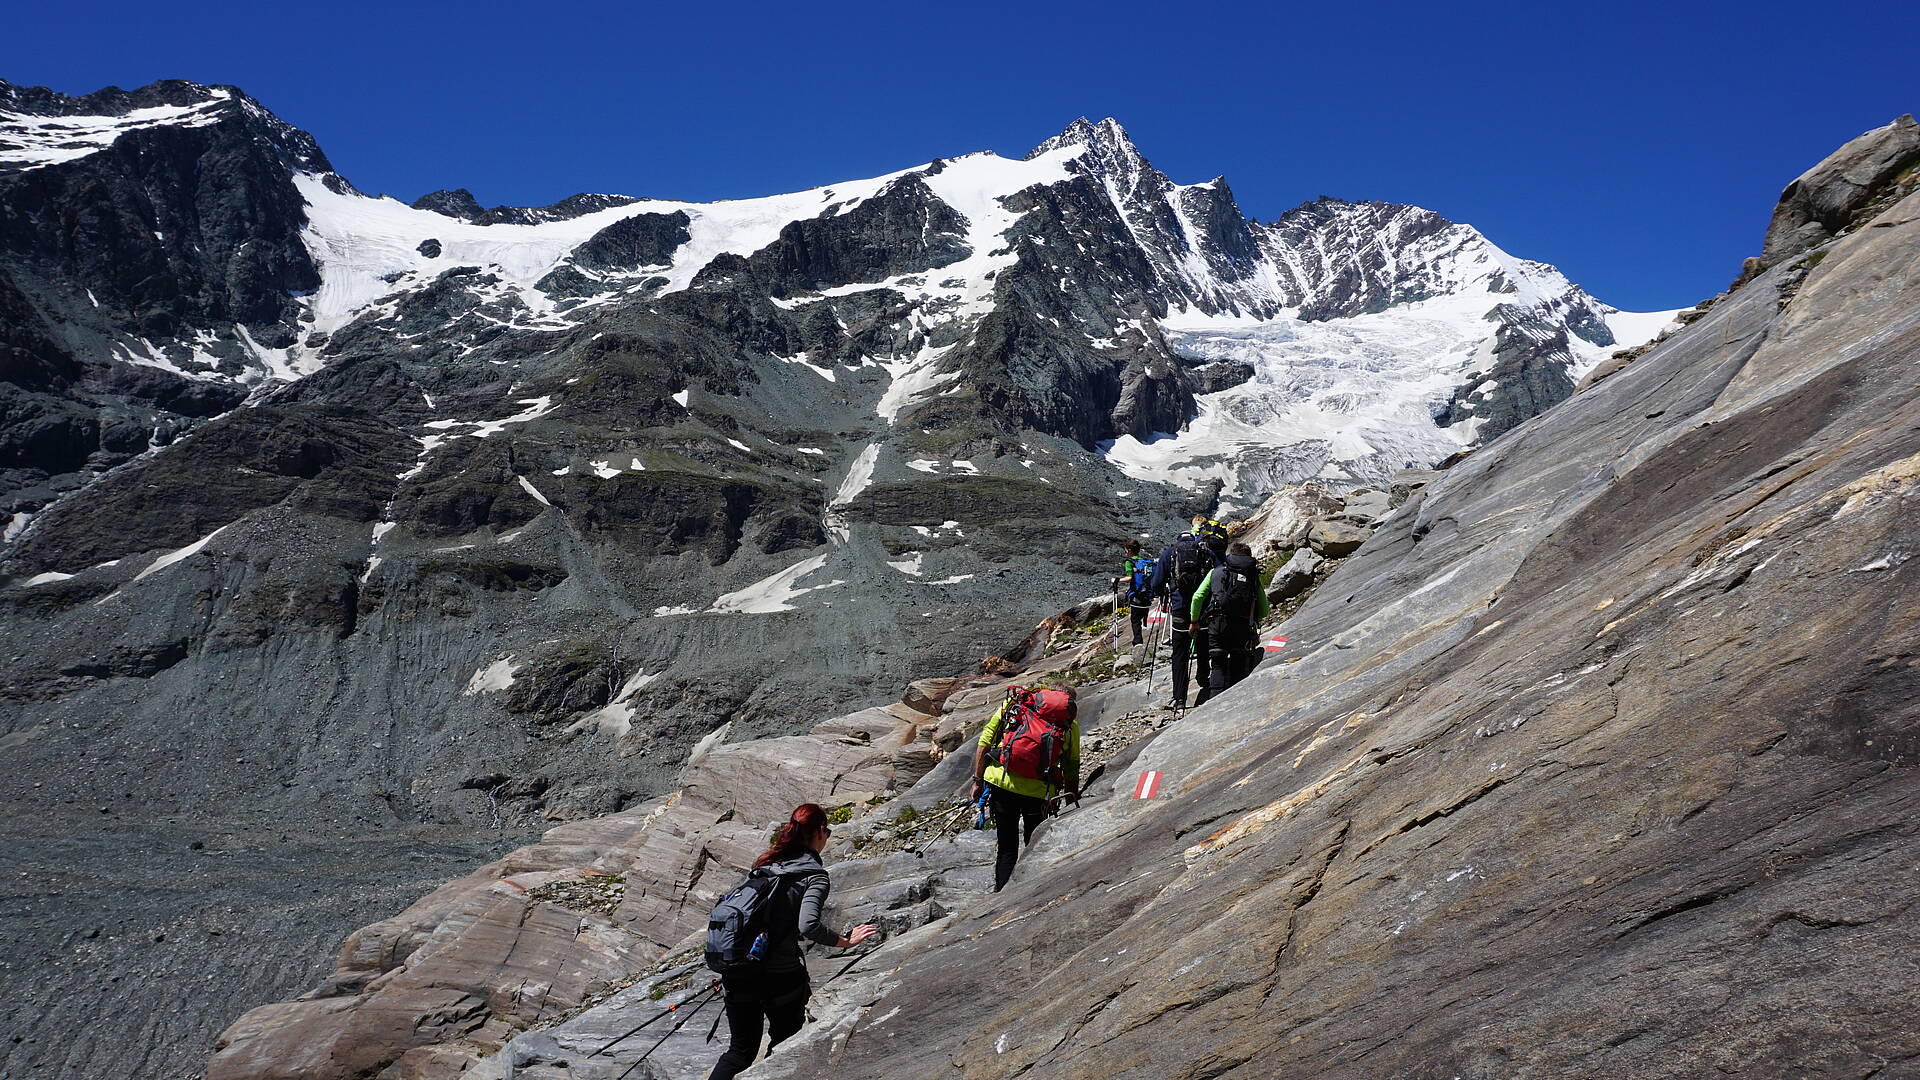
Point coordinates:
[(39, 127), (1077, 292), (1109, 149)]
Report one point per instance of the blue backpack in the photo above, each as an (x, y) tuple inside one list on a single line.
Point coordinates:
[(1141, 569)]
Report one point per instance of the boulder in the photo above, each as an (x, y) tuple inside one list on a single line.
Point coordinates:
[(1366, 505), (765, 779), (1833, 195), (1282, 521), (1293, 578), (1337, 539), (867, 725), (928, 695)]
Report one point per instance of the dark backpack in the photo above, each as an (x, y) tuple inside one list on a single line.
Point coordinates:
[(1033, 732), (1191, 561), (1230, 601), (1140, 568), (741, 916)]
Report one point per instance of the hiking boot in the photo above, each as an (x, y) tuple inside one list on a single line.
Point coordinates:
[(1177, 703)]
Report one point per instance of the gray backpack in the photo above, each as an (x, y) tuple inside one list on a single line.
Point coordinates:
[(739, 923), (762, 910)]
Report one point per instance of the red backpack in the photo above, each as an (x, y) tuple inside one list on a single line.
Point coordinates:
[(1033, 732)]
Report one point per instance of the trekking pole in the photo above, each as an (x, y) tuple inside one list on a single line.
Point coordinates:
[(712, 993), (670, 1010), (1153, 648), (952, 826), (951, 813)]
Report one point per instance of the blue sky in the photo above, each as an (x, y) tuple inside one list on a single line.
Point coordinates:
[(1639, 146)]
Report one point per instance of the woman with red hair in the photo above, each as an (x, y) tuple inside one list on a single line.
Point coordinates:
[(774, 994)]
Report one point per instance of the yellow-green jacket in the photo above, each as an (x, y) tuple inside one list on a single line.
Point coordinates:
[(999, 777)]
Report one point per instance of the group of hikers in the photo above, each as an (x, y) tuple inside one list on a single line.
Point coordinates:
[(1215, 602), (1026, 761)]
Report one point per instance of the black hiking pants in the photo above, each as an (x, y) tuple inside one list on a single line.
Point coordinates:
[(1139, 619), (1010, 812), (1233, 659), (1189, 646), (775, 1003)]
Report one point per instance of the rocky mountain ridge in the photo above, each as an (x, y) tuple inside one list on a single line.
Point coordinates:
[(884, 386), (1596, 758), (442, 521)]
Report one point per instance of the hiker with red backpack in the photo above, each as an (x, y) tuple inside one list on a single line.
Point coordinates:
[(753, 938), (1233, 602), (1029, 753)]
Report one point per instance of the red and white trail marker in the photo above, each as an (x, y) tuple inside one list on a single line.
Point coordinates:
[(1149, 785), (1274, 644), (1156, 616)]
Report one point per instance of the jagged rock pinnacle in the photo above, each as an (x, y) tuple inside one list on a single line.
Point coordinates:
[(1106, 140)]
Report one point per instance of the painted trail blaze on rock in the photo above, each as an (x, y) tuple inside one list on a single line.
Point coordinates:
[(1274, 644), (1148, 785)]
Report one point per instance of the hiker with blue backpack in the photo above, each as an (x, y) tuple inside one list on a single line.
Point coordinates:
[(753, 938), (1135, 586), (1028, 755)]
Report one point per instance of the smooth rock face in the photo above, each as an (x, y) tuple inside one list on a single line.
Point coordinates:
[(1600, 760)]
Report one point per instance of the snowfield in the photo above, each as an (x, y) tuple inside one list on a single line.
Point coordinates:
[(30, 142)]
